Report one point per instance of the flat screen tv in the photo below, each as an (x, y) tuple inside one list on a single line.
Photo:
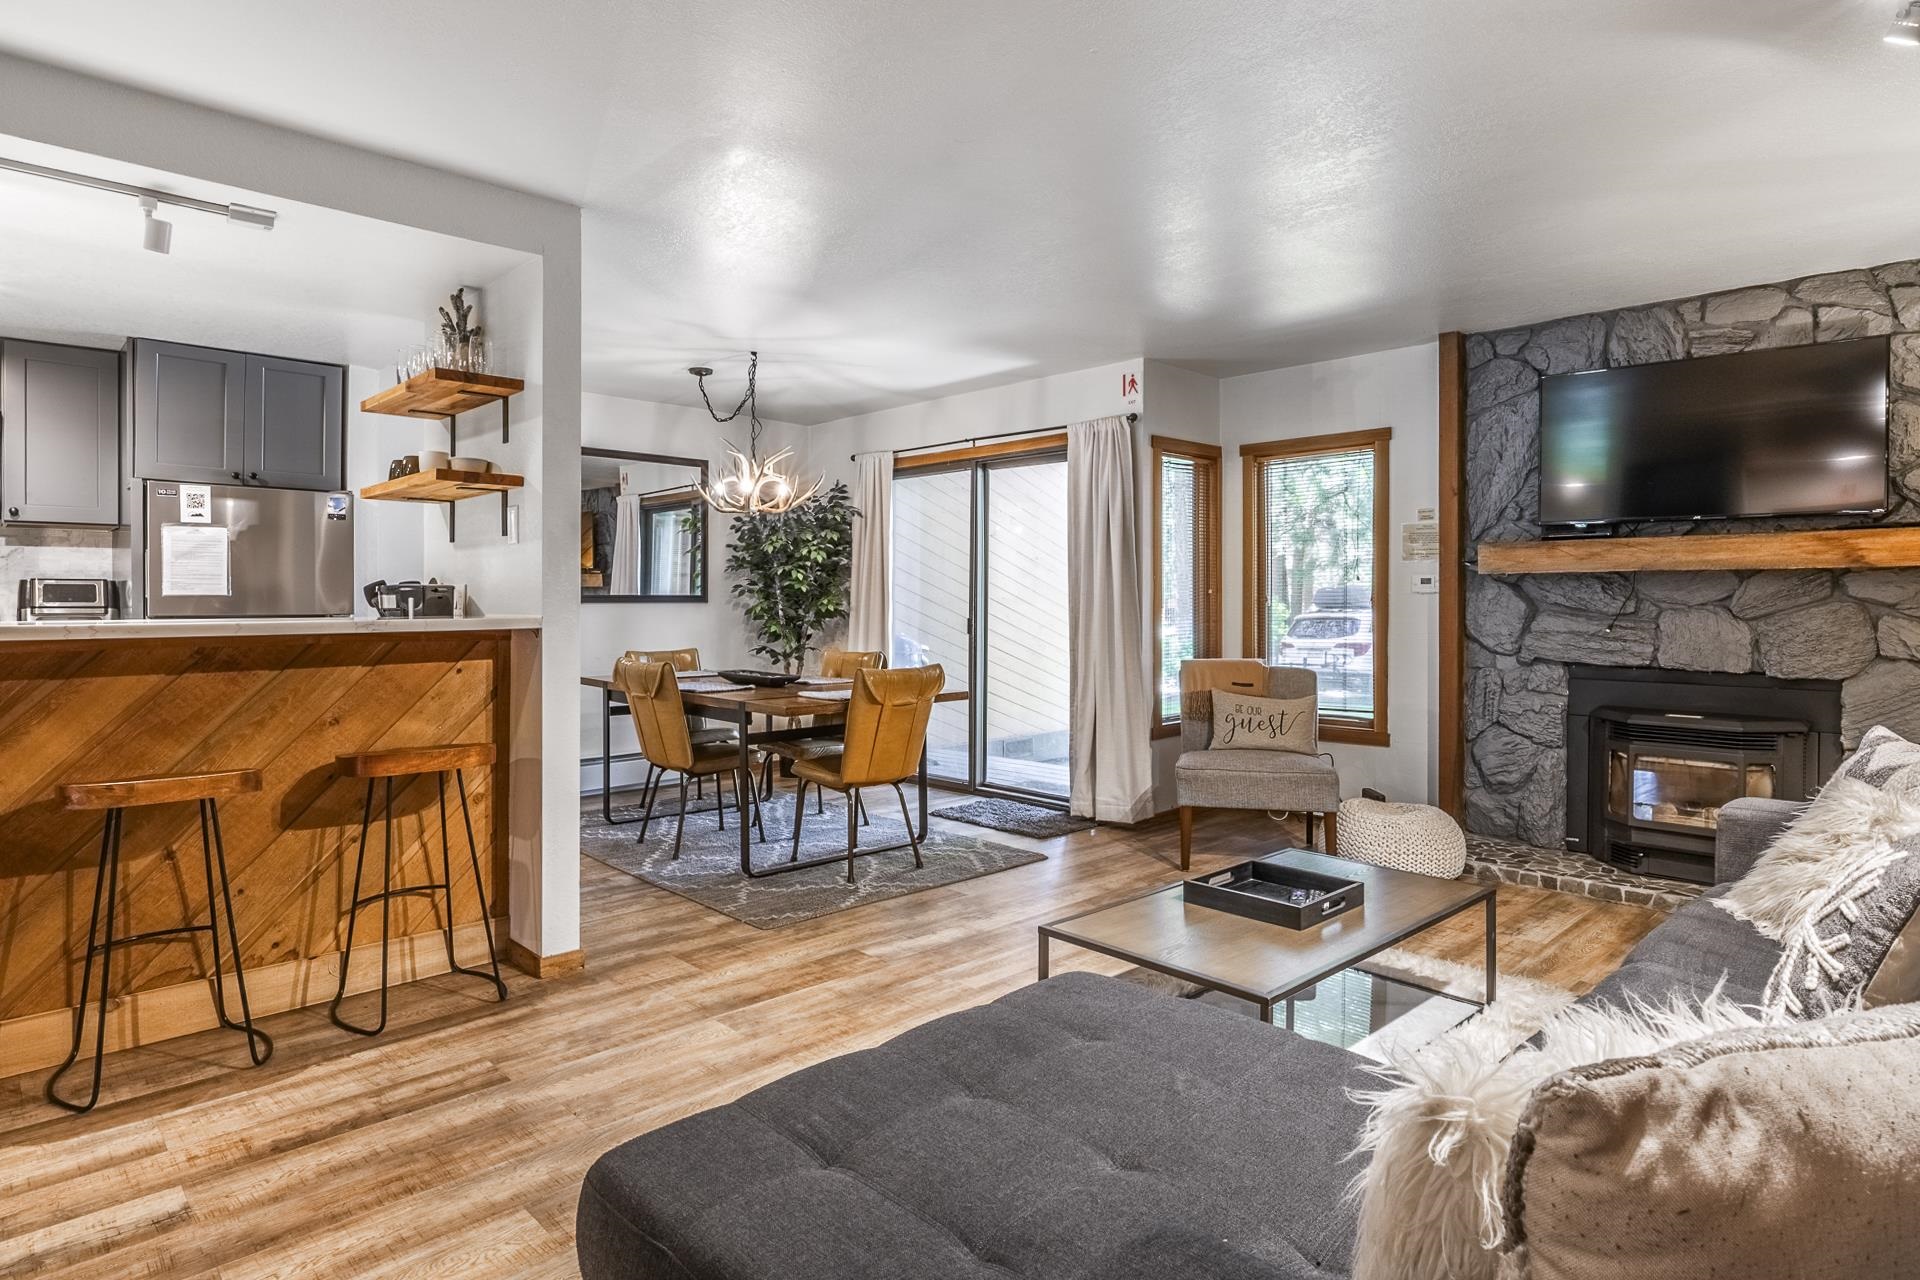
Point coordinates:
[(1791, 431)]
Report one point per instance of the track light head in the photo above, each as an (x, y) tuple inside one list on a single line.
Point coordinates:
[(157, 234), (1906, 25)]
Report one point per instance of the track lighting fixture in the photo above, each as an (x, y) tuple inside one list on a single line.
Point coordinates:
[(1906, 25), (157, 232)]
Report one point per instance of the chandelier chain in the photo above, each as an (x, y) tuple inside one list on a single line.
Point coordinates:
[(750, 402)]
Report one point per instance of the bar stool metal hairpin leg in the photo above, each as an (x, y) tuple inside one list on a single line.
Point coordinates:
[(383, 767), (116, 797)]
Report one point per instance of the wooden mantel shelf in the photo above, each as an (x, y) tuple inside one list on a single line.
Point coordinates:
[(1879, 548)]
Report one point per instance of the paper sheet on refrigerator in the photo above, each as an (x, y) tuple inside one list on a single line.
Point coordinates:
[(194, 560)]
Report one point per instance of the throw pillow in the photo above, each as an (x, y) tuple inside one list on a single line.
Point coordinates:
[(1850, 824), (1770, 1151), (1243, 722), (1886, 760), (1860, 944), (1440, 1133)]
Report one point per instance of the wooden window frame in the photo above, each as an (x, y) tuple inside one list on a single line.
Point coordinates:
[(1207, 630), (1371, 731)]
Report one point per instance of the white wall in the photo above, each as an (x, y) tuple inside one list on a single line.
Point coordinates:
[(714, 627), (1397, 389)]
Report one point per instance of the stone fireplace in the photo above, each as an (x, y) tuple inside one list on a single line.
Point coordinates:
[(1856, 631), (1652, 756)]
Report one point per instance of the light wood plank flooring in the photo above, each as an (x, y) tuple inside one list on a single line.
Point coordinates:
[(454, 1144)]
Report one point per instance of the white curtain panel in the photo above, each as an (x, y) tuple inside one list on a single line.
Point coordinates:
[(1111, 758), (626, 546), (870, 610)]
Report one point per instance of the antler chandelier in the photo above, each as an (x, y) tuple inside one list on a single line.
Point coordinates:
[(751, 486)]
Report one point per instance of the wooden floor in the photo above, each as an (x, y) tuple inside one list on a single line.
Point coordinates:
[(454, 1144)]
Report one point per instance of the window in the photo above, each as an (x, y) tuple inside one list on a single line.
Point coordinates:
[(1186, 593), (1316, 571)]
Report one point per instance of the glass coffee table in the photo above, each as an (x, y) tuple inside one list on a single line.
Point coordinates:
[(1270, 966)]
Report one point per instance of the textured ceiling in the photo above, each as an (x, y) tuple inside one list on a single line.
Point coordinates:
[(896, 201)]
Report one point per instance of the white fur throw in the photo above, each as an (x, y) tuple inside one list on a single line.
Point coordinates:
[(1440, 1131), (1850, 825)]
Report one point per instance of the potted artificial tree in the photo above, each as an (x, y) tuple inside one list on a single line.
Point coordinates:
[(791, 573)]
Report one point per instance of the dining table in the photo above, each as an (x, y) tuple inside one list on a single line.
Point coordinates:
[(709, 696)]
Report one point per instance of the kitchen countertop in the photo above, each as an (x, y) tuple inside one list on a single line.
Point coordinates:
[(130, 628)]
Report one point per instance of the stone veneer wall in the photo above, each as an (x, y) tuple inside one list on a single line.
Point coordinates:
[(1862, 628)]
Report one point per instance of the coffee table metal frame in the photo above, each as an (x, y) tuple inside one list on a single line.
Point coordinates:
[(1312, 973)]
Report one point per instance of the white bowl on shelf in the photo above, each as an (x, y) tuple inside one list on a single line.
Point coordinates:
[(478, 465), (433, 459)]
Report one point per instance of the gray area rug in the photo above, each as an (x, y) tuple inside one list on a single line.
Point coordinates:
[(708, 871), (1017, 818)]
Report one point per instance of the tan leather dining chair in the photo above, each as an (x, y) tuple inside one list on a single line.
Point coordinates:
[(835, 664), (887, 714), (680, 660), (660, 721)]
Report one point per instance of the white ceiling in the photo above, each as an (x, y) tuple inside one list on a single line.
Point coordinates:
[(72, 269), (898, 201)]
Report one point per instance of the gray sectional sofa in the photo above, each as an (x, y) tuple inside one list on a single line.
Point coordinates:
[(1082, 1128)]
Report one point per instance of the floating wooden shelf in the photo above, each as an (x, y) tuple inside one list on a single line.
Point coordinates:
[(441, 393), (1879, 548), (441, 486)]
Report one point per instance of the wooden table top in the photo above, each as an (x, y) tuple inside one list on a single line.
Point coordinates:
[(1261, 961), (785, 701)]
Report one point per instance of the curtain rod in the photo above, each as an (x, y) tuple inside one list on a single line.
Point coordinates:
[(1002, 435)]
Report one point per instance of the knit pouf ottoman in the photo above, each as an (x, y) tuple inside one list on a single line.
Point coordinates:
[(1406, 837)]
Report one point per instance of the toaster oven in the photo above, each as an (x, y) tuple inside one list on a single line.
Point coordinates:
[(66, 599)]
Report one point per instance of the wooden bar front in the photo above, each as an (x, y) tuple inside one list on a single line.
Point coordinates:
[(87, 710)]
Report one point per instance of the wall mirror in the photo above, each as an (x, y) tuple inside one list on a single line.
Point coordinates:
[(643, 527)]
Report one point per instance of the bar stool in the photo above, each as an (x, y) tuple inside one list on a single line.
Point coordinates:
[(384, 767), (116, 797)]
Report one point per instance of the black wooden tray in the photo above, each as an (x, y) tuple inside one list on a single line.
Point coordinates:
[(1277, 894), (764, 679)]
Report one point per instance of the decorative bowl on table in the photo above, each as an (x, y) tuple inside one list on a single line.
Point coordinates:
[(763, 679)]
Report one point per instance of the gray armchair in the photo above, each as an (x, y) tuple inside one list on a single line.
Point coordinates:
[(1247, 779)]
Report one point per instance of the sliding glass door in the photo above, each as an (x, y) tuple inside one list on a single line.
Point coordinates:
[(980, 586), (933, 602), (1024, 743)]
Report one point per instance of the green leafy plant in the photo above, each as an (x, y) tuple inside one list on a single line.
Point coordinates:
[(791, 573)]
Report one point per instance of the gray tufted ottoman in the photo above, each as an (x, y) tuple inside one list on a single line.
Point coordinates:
[(1080, 1128)]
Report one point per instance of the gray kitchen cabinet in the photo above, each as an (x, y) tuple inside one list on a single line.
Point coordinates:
[(223, 417), (295, 412), (59, 434), (189, 413)]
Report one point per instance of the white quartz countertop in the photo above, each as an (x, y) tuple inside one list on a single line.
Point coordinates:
[(188, 628)]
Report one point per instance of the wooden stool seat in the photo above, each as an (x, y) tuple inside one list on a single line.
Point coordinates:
[(405, 761), (165, 788)]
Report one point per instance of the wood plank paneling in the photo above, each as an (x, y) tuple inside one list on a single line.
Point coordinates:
[(89, 711)]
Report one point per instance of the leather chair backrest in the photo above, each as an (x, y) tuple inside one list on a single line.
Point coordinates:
[(678, 659), (659, 715), (887, 718), (1199, 677), (840, 664)]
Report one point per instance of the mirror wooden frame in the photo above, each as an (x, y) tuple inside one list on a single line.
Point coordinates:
[(706, 530)]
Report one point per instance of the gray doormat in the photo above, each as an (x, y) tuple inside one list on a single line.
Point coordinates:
[(708, 871), (1016, 818)]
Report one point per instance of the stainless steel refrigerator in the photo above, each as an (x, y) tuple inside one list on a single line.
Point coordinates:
[(246, 551)]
